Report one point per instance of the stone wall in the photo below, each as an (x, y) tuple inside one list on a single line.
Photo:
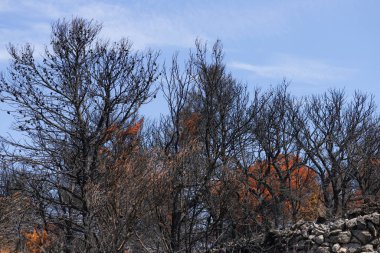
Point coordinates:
[(351, 235), (359, 234)]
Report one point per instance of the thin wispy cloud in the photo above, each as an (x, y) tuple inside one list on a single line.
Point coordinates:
[(161, 23), (3, 55), (144, 29), (297, 69), (164, 23)]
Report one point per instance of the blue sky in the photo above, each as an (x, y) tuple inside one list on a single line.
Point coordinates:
[(316, 44)]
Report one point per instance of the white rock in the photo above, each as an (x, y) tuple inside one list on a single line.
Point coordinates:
[(335, 247)]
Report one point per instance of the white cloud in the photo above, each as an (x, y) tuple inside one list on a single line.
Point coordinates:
[(162, 22), (6, 6), (297, 69), (3, 55), (144, 29), (29, 8), (159, 22)]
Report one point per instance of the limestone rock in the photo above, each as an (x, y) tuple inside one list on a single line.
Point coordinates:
[(355, 240), (335, 247), (335, 232), (351, 223), (323, 250), (344, 237), (318, 231), (304, 233), (367, 248), (362, 235), (325, 244), (372, 229), (299, 223), (319, 239), (376, 242), (353, 247), (361, 224), (374, 218), (342, 250), (338, 224)]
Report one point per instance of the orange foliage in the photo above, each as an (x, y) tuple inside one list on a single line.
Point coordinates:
[(191, 123), (294, 182), (110, 131), (133, 130), (36, 241), (120, 133), (112, 128)]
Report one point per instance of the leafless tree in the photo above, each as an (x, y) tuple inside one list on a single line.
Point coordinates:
[(327, 132), (195, 147), (225, 116), (364, 158), (276, 155), (66, 105)]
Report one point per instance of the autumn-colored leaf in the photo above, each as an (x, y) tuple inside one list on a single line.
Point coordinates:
[(134, 129), (192, 123), (37, 241)]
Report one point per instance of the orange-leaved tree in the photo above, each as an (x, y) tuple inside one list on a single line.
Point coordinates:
[(285, 184)]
